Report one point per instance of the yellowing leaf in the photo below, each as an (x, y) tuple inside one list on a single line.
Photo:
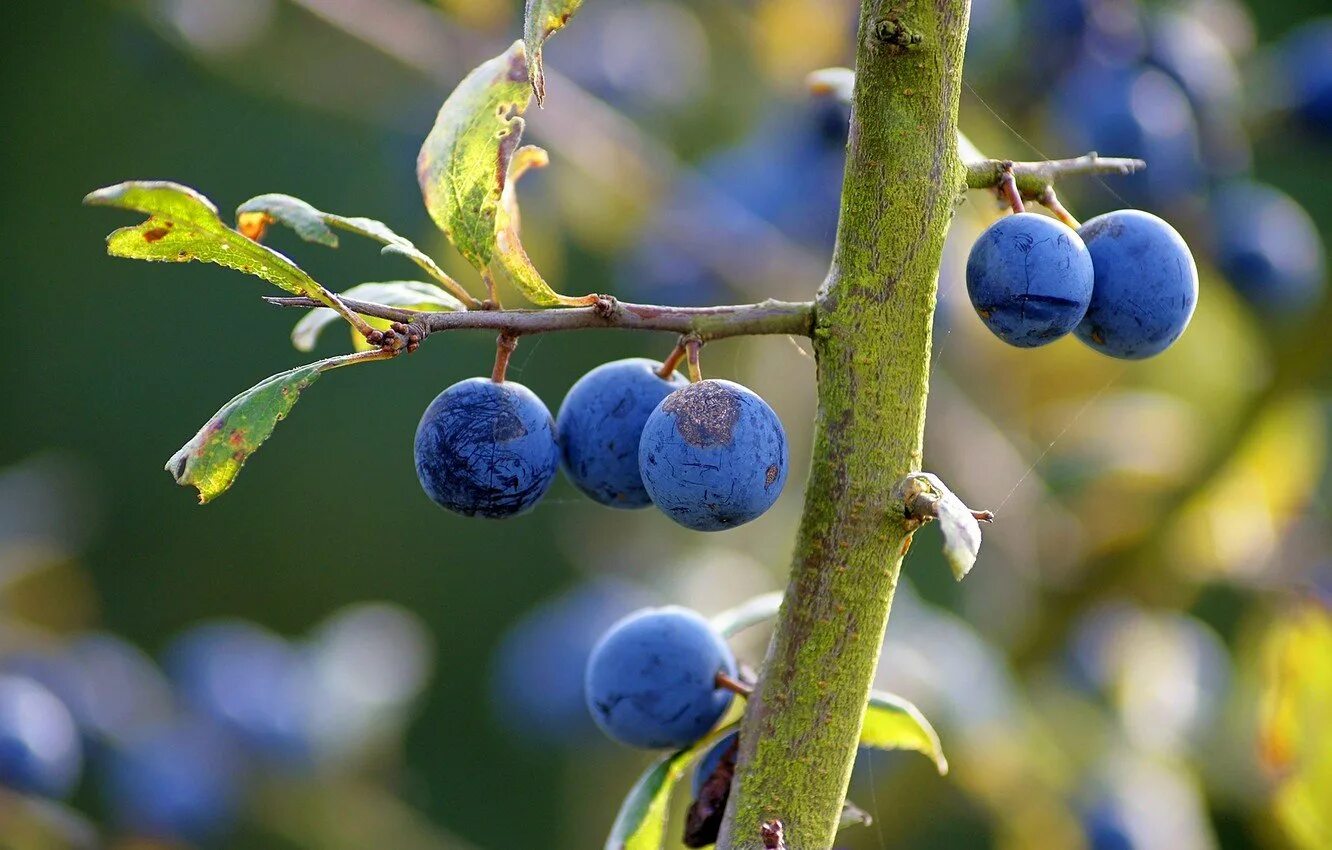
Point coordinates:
[(464, 163), (408, 294), (211, 461), (641, 821), (1295, 742), (543, 19), (315, 225), (184, 226), (513, 259), (892, 723)]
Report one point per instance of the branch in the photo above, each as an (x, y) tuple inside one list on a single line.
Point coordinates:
[(1034, 178), (705, 323)]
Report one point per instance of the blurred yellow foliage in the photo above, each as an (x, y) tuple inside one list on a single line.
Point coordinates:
[(1233, 526), (1295, 739)]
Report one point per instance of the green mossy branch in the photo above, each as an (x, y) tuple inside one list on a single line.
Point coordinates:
[(872, 341)]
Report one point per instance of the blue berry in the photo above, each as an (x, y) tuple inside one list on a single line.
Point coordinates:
[(713, 456), (40, 752), (601, 423), (250, 682), (486, 449), (708, 764), (538, 669), (1030, 279), (651, 680), (1306, 60), (1267, 247), (1146, 285), (178, 782), (1138, 112)]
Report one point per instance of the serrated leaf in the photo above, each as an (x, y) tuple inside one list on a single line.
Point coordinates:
[(464, 163), (211, 461), (512, 257), (184, 226), (542, 19), (892, 723), (751, 612), (641, 821), (407, 294), (926, 497), (314, 225)]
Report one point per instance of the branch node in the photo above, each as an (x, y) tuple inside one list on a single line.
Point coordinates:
[(773, 835), (895, 35)]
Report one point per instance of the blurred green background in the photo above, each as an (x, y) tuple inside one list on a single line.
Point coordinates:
[(1092, 465)]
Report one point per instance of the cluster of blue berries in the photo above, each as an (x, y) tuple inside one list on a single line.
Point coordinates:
[(1124, 283), (169, 752), (711, 455)]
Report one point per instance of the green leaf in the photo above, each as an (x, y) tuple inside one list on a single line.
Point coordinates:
[(183, 225), (408, 294), (512, 257), (211, 461), (543, 19), (314, 225), (464, 163), (892, 723), (731, 622), (641, 822)]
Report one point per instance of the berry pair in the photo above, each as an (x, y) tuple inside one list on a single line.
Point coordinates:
[(1124, 283)]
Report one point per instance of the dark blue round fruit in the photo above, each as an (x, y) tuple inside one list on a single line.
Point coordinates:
[(538, 669), (249, 682), (1306, 60), (1134, 111), (1146, 285), (486, 449), (600, 425), (708, 764), (1267, 247), (1030, 279), (651, 679), (179, 782), (40, 752), (713, 456)]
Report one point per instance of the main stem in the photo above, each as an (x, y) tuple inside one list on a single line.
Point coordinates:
[(872, 340)]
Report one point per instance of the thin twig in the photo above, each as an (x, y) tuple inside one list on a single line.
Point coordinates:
[(1033, 178), (702, 323)]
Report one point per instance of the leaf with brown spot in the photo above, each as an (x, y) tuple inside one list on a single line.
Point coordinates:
[(542, 19), (183, 225), (211, 461), (464, 162), (512, 256)]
